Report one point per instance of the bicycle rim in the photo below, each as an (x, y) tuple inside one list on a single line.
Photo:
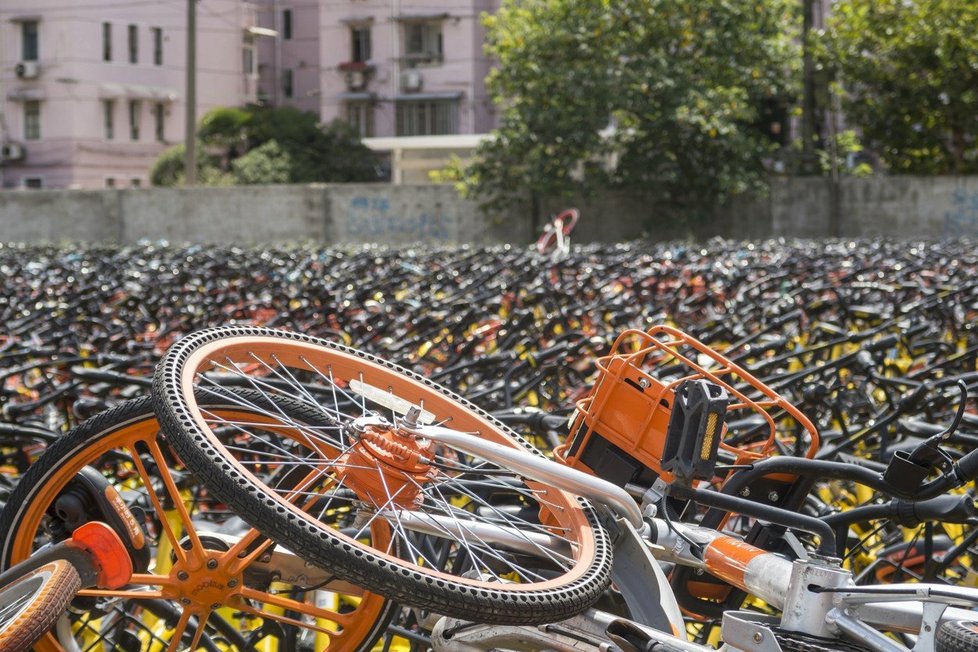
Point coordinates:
[(433, 505)]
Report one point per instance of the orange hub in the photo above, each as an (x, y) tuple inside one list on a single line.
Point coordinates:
[(387, 466)]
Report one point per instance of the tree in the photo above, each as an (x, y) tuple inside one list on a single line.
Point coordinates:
[(908, 74), (290, 146), (168, 169), (268, 163), (656, 95)]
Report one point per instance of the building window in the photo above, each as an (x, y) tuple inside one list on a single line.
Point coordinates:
[(427, 118), (360, 38), (133, 44), (106, 41), (159, 112), (32, 120), (135, 182), (29, 49), (157, 45), (360, 115), (134, 107), (422, 42), (110, 182), (108, 113), (287, 24), (287, 88), (33, 183), (248, 60)]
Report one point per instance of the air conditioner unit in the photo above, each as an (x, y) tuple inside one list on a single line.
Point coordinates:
[(355, 80), (11, 152), (27, 70), (411, 80)]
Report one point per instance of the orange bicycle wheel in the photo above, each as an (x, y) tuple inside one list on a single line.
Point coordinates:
[(207, 565), (542, 558)]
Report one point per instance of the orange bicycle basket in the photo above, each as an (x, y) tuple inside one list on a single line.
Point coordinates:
[(619, 430)]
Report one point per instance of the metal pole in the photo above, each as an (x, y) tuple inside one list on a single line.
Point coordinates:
[(808, 91), (190, 133)]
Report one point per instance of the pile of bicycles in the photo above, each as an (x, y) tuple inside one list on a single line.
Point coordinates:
[(768, 445)]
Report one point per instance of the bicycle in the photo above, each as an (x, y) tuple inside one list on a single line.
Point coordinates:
[(411, 456), (556, 234)]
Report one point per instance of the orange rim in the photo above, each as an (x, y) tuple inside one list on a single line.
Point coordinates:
[(290, 357), (344, 630)]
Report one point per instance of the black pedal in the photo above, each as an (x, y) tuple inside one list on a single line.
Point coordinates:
[(695, 427)]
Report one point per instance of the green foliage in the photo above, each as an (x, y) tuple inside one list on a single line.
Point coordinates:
[(909, 69), (679, 80), (270, 145), (846, 142), (223, 125), (268, 163), (168, 169)]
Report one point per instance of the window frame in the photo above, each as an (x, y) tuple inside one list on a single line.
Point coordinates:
[(364, 44), (108, 119), (287, 31), (157, 33), (132, 41), (288, 83), (106, 41), (426, 117), (30, 40), (25, 183), (135, 116), (159, 126), (432, 42), (248, 64), (32, 120), (364, 124)]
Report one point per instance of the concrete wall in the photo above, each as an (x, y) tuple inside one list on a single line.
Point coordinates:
[(899, 207), (893, 207), (347, 213)]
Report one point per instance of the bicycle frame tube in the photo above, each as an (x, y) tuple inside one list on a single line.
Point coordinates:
[(636, 573)]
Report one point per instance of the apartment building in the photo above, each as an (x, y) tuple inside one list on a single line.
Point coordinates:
[(391, 68), (91, 93)]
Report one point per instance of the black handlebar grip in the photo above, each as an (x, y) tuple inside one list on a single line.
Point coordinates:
[(967, 467)]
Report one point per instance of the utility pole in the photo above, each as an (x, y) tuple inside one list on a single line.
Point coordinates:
[(190, 133), (808, 92)]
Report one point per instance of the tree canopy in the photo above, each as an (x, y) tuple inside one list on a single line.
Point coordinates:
[(908, 76), (657, 95), (254, 145)]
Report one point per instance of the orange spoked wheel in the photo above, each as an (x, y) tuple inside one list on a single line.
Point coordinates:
[(212, 581), (472, 541)]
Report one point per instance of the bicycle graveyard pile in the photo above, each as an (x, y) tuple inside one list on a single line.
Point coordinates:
[(875, 344)]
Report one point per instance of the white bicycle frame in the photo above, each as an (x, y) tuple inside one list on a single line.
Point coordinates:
[(816, 597)]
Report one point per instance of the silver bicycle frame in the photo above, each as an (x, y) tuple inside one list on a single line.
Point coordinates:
[(817, 598)]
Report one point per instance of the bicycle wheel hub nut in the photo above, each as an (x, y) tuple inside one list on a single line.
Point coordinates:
[(387, 467)]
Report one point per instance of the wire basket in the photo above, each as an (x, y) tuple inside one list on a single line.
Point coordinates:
[(619, 430)]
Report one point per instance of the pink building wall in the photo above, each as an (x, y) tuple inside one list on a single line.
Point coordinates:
[(321, 43), (299, 53), (74, 150), (460, 72)]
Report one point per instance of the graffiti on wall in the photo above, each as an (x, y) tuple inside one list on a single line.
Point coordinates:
[(373, 218), (962, 219)]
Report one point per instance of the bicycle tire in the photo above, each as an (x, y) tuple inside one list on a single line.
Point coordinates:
[(957, 636), (99, 439), (580, 579), (31, 605)]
